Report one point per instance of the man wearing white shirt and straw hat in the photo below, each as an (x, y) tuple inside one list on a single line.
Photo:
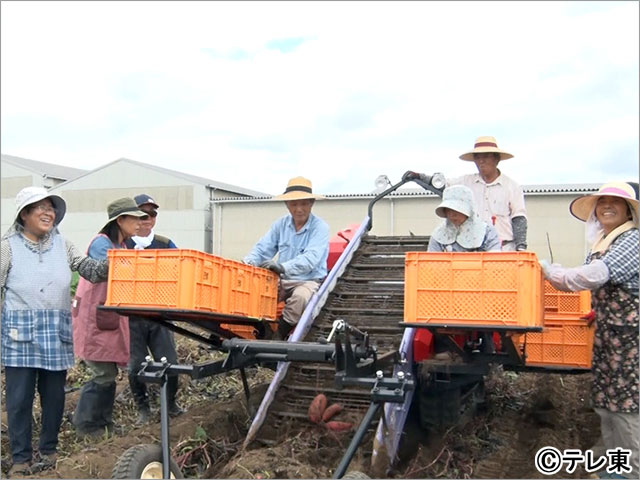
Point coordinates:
[(301, 240), (499, 199)]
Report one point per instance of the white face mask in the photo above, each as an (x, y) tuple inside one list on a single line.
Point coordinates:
[(142, 242)]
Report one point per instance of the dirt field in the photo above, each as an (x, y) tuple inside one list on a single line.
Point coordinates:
[(524, 412)]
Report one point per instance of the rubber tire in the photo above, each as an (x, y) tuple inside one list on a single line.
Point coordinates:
[(356, 475), (132, 463)]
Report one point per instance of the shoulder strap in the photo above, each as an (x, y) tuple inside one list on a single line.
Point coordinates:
[(164, 241)]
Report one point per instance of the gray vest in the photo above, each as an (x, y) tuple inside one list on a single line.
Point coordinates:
[(38, 281)]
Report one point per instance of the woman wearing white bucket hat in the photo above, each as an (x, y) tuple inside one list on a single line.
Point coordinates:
[(611, 273), (499, 199), (462, 230), (37, 348)]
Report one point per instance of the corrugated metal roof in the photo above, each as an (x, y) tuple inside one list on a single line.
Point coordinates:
[(191, 178), (51, 170), (546, 189)]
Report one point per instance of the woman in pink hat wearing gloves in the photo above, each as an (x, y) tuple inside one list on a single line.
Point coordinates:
[(611, 273), (37, 345)]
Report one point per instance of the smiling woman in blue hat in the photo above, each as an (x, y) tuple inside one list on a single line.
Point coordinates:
[(611, 273), (37, 348)]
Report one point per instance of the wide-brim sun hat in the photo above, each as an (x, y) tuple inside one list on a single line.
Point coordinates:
[(30, 195), (298, 188), (123, 206), (485, 145), (583, 207), (458, 198)]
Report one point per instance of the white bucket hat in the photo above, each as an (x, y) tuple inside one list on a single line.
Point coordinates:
[(30, 195), (458, 198), (472, 232)]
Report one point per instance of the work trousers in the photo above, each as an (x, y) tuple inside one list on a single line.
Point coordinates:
[(20, 386), (621, 430), (147, 337), (296, 294)]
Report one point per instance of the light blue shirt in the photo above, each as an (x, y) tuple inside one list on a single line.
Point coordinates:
[(303, 254)]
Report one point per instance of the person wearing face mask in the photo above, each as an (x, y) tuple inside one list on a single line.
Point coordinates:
[(101, 338), (462, 230), (146, 335), (37, 345), (499, 199), (611, 273)]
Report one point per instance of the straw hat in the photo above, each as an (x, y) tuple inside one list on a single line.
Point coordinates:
[(583, 207), (123, 206), (30, 195), (298, 188), (484, 145)]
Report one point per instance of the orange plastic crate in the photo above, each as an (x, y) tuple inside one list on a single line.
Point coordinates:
[(190, 280), (572, 303), (242, 331), (473, 288), (561, 343)]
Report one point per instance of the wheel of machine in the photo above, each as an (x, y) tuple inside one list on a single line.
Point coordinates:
[(356, 475), (143, 461)]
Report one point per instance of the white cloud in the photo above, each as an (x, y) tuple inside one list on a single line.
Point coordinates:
[(372, 87)]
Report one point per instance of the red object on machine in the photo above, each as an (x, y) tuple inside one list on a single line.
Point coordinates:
[(424, 344), (339, 242)]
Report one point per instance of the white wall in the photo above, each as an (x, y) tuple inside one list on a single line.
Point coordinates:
[(13, 180), (239, 225)]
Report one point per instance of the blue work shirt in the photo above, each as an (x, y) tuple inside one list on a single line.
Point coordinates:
[(303, 254)]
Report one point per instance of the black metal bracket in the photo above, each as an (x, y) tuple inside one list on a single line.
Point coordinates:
[(354, 359), (426, 186)]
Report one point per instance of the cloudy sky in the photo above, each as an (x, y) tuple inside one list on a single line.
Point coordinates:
[(255, 93)]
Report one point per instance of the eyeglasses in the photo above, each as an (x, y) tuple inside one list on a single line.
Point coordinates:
[(150, 213), (43, 208)]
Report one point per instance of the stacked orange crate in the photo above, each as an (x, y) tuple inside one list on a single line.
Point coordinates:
[(164, 278), (252, 292), (186, 279), (567, 339), (499, 289)]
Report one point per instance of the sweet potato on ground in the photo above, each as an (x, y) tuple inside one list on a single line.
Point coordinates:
[(317, 408), (331, 412)]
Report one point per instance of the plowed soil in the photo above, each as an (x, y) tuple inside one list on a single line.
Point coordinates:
[(523, 413)]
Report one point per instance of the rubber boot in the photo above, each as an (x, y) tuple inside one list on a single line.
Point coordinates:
[(139, 393), (172, 391), (107, 399), (94, 411), (284, 328)]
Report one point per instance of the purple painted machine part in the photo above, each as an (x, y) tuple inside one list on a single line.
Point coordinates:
[(391, 424), (306, 320)]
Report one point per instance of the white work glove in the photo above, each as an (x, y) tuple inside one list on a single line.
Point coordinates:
[(546, 267), (584, 277)]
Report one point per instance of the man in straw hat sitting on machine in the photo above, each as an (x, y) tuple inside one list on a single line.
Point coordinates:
[(499, 200), (301, 241)]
